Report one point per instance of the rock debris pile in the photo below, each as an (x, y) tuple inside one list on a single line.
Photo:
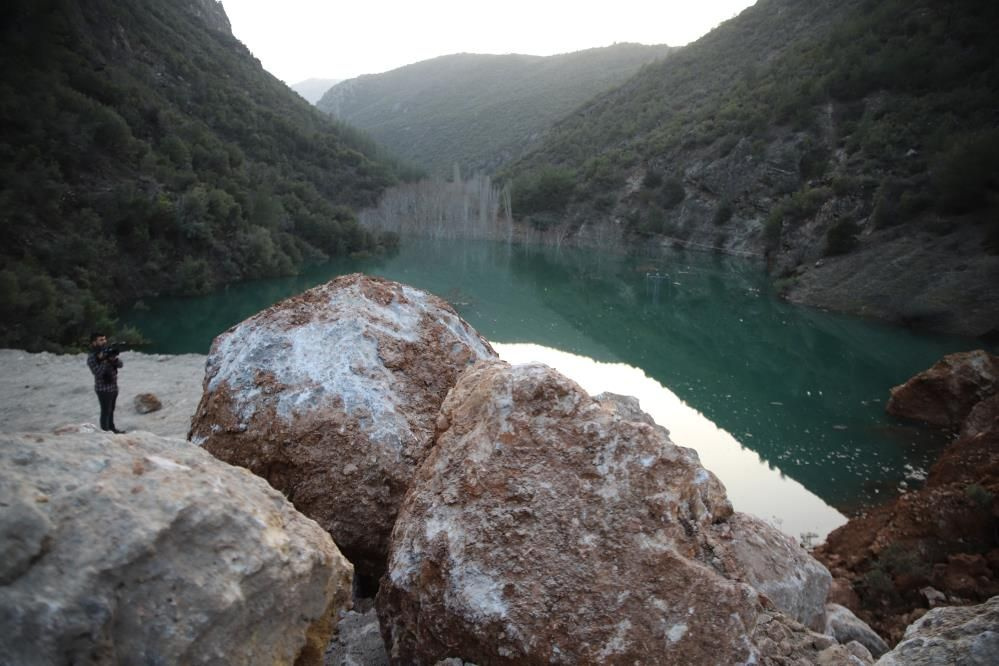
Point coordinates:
[(511, 517), (537, 524)]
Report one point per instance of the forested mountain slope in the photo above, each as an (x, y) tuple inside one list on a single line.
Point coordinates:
[(854, 144), (478, 111), (144, 150)]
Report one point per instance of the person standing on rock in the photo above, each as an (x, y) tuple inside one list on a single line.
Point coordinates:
[(104, 363)]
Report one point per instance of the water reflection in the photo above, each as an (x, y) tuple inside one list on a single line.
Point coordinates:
[(753, 487), (802, 390)]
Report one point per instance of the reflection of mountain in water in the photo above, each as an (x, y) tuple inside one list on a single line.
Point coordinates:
[(802, 388)]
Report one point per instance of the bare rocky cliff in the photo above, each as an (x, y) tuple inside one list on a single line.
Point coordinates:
[(212, 13), (930, 273)]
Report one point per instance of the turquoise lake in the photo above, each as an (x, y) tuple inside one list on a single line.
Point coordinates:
[(789, 398)]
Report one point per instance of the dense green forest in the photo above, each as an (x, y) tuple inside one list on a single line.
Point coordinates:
[(893, 103), (145, 151), (478, 111)]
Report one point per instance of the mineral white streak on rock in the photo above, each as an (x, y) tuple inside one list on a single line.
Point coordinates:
[(657, 543), (475, 590), (613, 469), (357, 379), (617, 642), (453, 323), (676, 632), (166, 463), (481, 593)]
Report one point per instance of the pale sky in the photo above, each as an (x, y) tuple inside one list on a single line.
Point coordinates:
[(301, 39)]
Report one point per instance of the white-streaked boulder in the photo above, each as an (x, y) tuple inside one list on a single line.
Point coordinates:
[(332, 396), (547, 526)]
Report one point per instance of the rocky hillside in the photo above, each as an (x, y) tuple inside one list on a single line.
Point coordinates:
[(478, 111), (853, 144), (146, 151)]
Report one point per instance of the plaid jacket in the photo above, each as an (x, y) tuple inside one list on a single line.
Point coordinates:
[(105, 372)]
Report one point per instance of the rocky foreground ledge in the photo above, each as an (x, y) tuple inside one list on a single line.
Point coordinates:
[(513, 518), (139, 549)]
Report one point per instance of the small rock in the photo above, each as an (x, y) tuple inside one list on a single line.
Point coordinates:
[(146, 403), (984, 417), (933, 596), (845, 627)]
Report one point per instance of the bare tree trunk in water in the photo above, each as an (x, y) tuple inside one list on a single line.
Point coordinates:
[(442, 209)]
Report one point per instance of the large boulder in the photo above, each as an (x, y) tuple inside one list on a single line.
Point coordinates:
[(140, 550), (945, 394), (547, 526), (967, 635), (332, 396)]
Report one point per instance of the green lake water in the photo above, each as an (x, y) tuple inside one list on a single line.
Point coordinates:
[(787, 396)]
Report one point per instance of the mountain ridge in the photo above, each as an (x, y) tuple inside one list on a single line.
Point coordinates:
[(478, 110)]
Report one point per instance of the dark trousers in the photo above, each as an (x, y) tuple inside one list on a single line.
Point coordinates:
[(107, 400)]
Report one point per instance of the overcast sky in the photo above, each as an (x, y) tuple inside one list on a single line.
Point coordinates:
[(301, 39)]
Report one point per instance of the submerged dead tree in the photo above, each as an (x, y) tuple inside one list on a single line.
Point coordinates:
[(473, 208)]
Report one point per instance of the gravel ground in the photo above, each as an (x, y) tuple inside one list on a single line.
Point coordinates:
[(43, 392)]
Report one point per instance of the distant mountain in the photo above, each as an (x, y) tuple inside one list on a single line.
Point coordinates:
[(145, 151), (313, 89), (853, 143), (478, 111)]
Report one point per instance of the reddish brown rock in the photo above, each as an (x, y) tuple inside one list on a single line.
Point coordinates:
[(927, 545), (945, 394), (924, 537), (983, 417), (972, 460), (332, 396), (547, 526), (146, 403)]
